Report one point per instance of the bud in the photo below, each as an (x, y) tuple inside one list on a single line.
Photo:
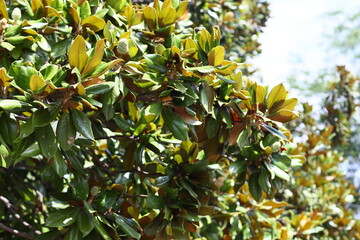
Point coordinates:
[(276, 147), (3, 25), (16, 14), (123, 46), (94, 190)]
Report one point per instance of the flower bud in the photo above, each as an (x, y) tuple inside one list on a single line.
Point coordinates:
[(16, 14), (94, 190), (123, 46)]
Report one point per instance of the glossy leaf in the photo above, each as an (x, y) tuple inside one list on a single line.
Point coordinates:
[(82, 123), (47, 142), (62, 218), (77, 53), (175, 124)]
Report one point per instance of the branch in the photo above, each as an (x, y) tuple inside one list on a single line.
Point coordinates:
[(16, 215), (16, 232)]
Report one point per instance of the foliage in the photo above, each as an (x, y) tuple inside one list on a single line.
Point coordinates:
[(319, 193), (241, 23), (122, 124)]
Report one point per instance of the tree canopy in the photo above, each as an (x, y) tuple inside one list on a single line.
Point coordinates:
[(125, 120)]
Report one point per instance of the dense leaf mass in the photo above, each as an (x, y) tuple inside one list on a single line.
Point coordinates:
[(119, 121)]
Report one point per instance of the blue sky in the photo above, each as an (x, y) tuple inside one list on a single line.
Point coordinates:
[(294, 39)]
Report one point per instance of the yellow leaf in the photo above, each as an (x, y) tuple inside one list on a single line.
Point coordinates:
[(133, 49), (243, 94), (284, 115), (288, 104), (52, 12), (167, 16), (30, 31), (36, 5), (3, 10), (216, 55), (77, 53), (128, 13), (80, 90), (181, 9), (150, 17), (138, 18), (156, 6), (167, 3), (204, 40), (94, 23), (278, 93), (75, 15), (283, 234), (189, 43), (238, 81), (260, 94), (96, 59), (81, 2), (226, 68), (36, 82), (4, 78), (113, 63)]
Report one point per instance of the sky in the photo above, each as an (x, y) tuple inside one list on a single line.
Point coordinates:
[(294, 39)]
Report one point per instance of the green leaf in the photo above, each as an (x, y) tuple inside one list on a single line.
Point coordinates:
[(123, 124), (162, 181), (41, 118), (212, 127), (101, 230), (9, 129), (85, 10), (238, 167), (13, 105), (202, 69), (7, 46), (47, 142), (254, 186), (82, 123), (73, 233), (175, 124), (264, 180), (281, 160), (80, 189), (207, 95), (85, 222), (154, 202), (243, 139), (187, 187), (277, 171), (117, 5), (127, 226), (274, 131), (59, 165), (99, 88), (65, 132), (22, 75), (62, 218)]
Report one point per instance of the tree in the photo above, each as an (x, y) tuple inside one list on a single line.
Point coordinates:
[(123, 123)]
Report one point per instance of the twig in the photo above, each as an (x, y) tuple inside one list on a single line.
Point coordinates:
[(16, 232), (16, 215)]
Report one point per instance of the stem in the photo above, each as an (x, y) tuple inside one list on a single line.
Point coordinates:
[(16, 215), (16, 232)]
